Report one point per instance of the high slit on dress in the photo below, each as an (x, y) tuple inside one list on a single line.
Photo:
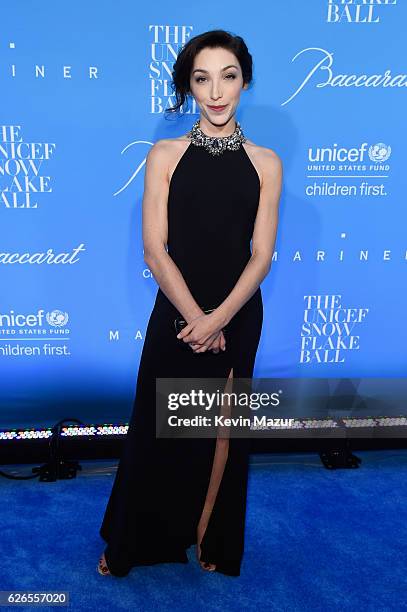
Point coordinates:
[(161, 484)]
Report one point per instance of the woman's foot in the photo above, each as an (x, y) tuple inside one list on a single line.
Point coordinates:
[(202, 525), (102, 566)]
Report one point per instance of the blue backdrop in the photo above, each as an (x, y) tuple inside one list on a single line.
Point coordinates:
[(83, 89)]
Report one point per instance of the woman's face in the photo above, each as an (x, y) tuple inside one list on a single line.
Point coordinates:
[(216, 80)]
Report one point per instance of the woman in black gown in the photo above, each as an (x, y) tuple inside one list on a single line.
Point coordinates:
[(207, 194)]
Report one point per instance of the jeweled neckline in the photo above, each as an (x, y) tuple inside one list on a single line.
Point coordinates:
[(216, 144)]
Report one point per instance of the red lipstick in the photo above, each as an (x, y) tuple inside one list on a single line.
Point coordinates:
[(217, 108)]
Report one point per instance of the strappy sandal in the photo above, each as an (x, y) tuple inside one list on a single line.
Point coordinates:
[(102, 566), (205, 565)]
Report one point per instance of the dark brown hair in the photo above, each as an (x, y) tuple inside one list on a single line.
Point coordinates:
[(183, 65)]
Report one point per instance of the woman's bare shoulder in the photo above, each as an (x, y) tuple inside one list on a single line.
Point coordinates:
[(170, 143), (166, 152), (263, 154), (167, 148), (265, 160)]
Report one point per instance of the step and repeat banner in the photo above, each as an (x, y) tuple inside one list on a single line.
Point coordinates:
[(84, 86)]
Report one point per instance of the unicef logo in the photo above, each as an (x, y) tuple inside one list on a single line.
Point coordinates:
[(57, 318), (379, 152)]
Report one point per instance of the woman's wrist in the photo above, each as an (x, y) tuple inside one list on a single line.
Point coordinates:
[(218, 314), (194, 315), (221, 316)]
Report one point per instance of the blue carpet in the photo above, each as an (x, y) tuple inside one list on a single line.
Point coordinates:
[(316, 540)]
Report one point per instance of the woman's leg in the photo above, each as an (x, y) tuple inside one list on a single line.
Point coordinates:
[(218, 466)]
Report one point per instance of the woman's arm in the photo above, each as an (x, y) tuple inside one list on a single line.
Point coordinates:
[(155, 231), (264, 236)]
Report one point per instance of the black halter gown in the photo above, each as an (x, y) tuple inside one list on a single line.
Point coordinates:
[(161, 484)]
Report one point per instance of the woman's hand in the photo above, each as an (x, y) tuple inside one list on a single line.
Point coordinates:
[(204, 332), (219, 343)]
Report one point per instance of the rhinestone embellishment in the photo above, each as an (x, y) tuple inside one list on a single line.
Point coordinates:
[(216, 144)]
